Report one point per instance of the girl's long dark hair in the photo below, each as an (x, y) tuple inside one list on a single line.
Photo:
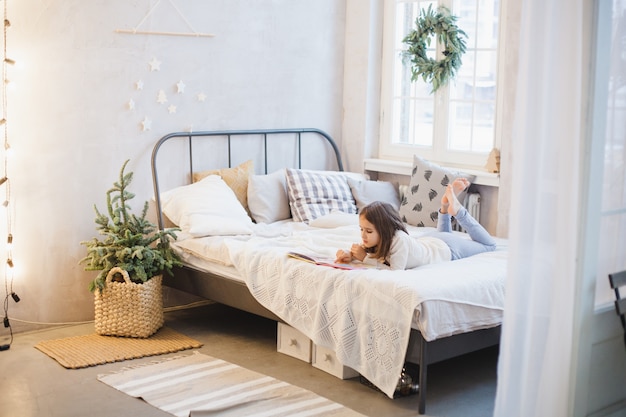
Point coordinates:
[(386, 221)]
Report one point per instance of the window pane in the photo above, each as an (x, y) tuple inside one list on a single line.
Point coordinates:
[(486, 62), (488, 22), (471, 127), (465, 11), (405, 16), (423, 123), (462, 87), (420, 89), (460, 127), (403, 86), (612, 238), (472, 107), (413, 122), (467, 67), (615, 148), (484, 125), (413, 104)]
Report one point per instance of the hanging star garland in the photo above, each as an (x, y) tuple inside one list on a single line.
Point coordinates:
[(155, 65), (171, 104), (161, 97), (146, 124)]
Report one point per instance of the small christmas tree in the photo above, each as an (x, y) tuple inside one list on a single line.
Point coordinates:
[(130, 242)]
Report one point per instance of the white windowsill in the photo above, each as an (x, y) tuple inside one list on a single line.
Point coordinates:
[(404, 168)]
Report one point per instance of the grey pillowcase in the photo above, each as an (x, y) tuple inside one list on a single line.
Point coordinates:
[(366, 192)]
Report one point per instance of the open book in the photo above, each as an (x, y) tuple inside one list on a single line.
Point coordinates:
[(325, 261)]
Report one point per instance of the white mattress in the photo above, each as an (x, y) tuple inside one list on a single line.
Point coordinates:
[(435, 318)]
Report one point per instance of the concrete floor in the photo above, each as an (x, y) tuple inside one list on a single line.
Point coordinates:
[(32, 384)]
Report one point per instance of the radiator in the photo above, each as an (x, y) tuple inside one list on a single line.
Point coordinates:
[(472, 204)]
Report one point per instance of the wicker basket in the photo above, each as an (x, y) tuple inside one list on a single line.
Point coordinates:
[(129, 309)]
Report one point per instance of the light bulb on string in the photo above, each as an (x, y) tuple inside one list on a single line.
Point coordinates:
[(10, 85), (7, 86)]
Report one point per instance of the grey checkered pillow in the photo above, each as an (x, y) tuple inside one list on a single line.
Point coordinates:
[(313, 194), (420, 205)]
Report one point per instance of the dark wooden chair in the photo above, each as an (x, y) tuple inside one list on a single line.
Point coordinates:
[(618, 280)]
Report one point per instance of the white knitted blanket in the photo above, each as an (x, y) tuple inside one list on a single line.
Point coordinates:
[(364, 316)]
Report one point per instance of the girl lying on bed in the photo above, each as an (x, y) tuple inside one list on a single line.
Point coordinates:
[(387, 244)]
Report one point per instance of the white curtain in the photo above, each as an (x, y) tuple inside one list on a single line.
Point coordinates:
[(536, 348)]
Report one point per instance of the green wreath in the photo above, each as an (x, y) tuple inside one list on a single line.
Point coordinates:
[(441, 24)]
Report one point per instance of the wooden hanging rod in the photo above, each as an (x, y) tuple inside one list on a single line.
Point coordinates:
[(151, 32)]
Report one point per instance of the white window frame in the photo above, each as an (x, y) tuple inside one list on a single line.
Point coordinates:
[(438, 153)]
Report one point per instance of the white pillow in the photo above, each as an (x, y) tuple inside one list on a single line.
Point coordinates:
[(206, 208), (313, 193), (366, 192), (267, 197)]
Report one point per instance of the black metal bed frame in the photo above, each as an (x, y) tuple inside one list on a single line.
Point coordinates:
[(236, 294), (229, 134)]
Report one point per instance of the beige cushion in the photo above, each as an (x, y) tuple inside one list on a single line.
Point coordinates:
[(236, 178)]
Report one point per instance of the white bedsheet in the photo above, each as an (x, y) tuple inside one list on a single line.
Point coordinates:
[(364, 316)]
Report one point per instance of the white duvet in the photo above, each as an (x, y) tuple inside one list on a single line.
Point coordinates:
[(364, 316)]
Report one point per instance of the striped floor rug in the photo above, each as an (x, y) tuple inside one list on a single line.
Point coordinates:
[(200, 385)]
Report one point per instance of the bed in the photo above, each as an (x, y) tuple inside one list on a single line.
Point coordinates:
[(212, 184)]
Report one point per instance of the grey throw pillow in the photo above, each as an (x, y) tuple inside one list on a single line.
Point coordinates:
[(420, 206), (366, 192)]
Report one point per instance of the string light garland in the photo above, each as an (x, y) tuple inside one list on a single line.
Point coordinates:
[(6, 183)]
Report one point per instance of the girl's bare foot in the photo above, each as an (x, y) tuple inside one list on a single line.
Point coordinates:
[(458, 185), (454, 205)]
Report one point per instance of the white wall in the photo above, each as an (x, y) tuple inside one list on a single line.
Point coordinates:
[(271, 64)]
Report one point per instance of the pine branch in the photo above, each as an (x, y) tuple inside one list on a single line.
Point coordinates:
[(130, 242)]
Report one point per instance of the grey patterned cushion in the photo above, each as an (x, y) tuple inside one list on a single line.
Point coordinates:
[(420, 206), (313, 194)]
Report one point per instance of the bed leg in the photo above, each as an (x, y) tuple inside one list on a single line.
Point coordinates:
[(423, 368)]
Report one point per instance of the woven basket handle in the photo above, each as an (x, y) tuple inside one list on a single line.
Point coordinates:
[(115, 270)]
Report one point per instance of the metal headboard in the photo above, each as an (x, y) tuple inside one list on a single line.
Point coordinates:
[(230, 135)]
